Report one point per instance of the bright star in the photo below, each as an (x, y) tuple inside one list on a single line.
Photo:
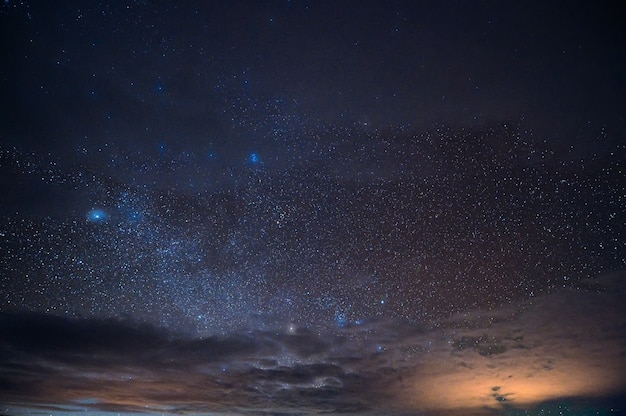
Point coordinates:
[(96, 215)]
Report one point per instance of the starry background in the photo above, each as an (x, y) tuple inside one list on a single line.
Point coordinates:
[(222, 167)]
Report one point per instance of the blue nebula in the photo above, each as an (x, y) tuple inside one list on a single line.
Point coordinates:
[(97, 215), (254, 158)]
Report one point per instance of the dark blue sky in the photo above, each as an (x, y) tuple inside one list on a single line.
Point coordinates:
[(311, 206), (192, 74)]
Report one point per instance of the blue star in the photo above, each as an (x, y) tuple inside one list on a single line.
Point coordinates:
[(340, 319), (96, 215), (254, 158), (135, 216)]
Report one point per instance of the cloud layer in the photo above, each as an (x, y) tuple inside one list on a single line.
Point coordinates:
[(570, 344)]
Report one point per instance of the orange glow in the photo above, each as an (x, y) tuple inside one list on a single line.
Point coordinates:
[(566, 351), (485, 382)]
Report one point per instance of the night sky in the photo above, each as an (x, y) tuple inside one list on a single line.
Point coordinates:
[(295, 208)]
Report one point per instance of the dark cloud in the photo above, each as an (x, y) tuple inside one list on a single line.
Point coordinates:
[(568, 344), (115, 365), (484, 344)]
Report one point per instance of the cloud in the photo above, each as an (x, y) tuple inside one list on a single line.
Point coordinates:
[(569, 344), (122, 366)]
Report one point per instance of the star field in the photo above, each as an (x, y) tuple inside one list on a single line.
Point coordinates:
[(311, 207), (411, 229)]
